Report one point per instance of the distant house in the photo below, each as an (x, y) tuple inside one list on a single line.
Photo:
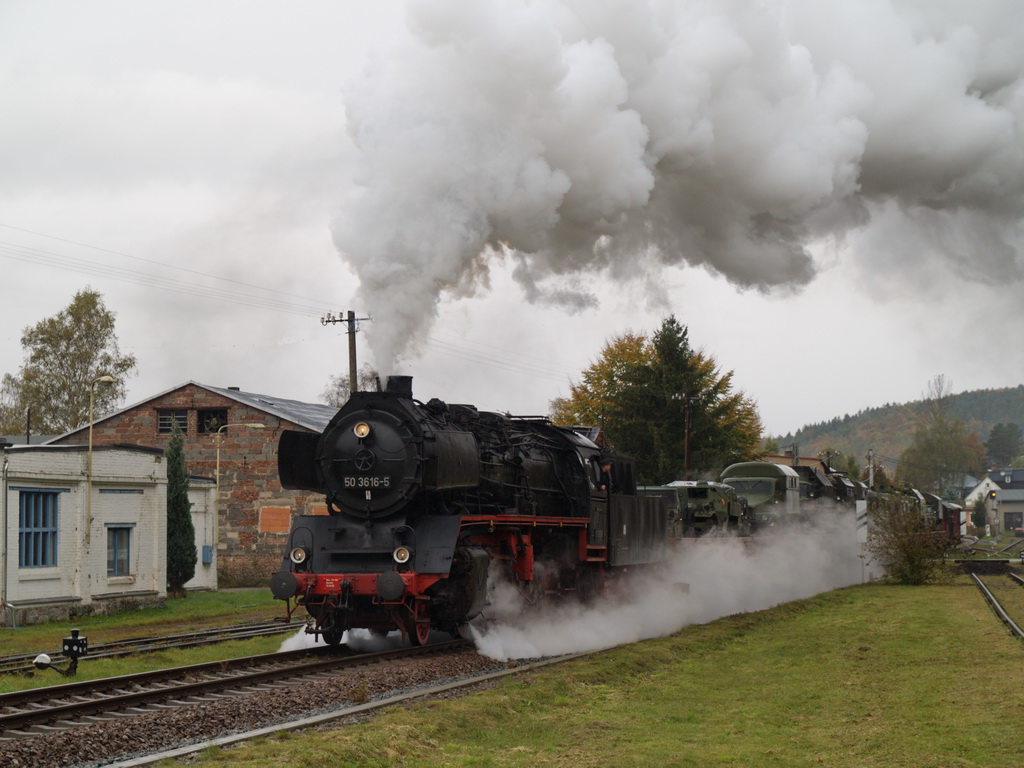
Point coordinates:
[(244, 541), (1003, 492), (970, 483), (69, 552)]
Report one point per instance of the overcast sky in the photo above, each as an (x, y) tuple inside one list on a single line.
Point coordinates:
[(828, 195)]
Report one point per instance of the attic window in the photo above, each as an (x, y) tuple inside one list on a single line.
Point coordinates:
[(212, 419), (167, 419)]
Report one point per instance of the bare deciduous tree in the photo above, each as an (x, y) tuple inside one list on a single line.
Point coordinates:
[(337, 391)]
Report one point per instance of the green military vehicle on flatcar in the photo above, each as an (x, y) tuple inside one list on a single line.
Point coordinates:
[(771, 491), (697, 508)]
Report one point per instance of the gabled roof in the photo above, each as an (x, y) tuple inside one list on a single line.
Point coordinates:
[(314, 416), (1008, 477)]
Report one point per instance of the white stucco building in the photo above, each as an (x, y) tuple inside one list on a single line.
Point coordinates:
[(58, 563), (1003, 492)]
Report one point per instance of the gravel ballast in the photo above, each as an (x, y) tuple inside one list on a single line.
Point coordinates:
[(130, 736)]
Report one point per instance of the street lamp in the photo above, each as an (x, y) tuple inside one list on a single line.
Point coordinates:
[(88, 472), (219, 438)]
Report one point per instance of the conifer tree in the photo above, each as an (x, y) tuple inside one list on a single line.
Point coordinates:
[(181, 534), (1004, 444), (666, 404)]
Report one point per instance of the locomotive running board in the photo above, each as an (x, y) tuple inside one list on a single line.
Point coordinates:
[(527, 521)]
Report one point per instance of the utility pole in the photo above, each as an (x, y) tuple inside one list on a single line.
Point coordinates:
[(687, 423), (686, 437), (352, 321), (871, 468)]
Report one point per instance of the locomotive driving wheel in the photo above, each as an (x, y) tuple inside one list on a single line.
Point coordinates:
[(417, 624), (332, 636), (331, 633)]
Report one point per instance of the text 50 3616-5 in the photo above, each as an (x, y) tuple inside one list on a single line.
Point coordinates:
[(367, 481)]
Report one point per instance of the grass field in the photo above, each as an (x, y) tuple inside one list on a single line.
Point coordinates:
[(872, 676), (198, 610)]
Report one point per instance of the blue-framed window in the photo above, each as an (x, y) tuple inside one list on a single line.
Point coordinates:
[(119, 550), (38, 518)]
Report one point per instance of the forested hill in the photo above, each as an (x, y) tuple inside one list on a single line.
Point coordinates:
[(888, 429)]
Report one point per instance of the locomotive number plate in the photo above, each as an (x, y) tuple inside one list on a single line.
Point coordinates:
[(366, 481)]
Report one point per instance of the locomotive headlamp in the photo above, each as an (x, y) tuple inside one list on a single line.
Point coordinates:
[(298, 555), (401, 555), (361, 430)]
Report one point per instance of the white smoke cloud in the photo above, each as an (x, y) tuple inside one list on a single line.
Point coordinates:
[(357, 640), (704, 581), (581, 138)]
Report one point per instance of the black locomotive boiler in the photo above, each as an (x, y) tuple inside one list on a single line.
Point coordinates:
[(426, 502)]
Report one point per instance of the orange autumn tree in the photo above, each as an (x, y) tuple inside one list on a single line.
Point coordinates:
[(591, 399), (665, 404)]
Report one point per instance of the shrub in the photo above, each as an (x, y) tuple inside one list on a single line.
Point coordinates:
[(903, 542)]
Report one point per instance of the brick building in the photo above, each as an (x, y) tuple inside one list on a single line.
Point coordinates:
[(254, 516)]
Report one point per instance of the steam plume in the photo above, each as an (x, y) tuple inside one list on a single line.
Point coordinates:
[(612, 137), (722, 578)]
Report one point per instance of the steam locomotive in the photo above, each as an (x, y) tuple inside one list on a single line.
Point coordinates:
[(429, 502)]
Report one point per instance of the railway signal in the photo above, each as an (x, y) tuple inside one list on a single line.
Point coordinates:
[(75, 646)]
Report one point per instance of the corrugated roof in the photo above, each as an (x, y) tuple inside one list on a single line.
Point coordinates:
[(313, 416)]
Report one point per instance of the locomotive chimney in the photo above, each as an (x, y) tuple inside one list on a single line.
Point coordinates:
[(400, 385)]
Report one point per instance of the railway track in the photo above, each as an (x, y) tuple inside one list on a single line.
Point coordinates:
[(1004, 593), (39, 711), (22, 662)]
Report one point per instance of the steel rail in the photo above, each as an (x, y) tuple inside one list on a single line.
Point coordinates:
[(341, 712), (45, 706), (998, 608), (22, 662)]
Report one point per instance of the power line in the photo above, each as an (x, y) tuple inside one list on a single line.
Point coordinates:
[(121, 274), (275, 300), (502, 361), (149, 261), (531, 359)]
